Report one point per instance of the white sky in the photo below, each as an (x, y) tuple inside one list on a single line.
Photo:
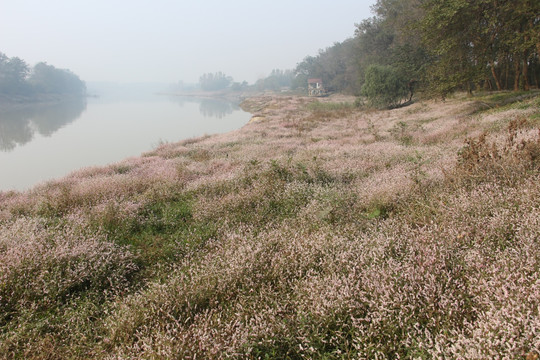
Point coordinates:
[(167, 41)]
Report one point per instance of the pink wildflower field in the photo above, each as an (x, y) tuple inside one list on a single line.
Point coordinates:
[(319, 230)]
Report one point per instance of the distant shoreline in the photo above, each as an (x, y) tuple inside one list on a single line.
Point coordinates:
[(11, 103), (232, 96)]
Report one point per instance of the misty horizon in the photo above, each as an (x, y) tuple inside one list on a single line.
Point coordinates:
[(168, 41)]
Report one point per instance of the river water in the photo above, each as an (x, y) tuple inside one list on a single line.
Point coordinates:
[(43, 142)]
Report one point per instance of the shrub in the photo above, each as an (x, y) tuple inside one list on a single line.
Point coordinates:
[(481, 160), (384, 86)]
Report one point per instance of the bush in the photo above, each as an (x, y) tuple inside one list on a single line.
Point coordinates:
[(384, 86)]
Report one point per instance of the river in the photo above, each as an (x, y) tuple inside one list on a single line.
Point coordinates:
[(43, 142)]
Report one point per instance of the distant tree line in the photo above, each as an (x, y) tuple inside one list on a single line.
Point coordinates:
[(436, 46), (277, 80), (18, 78), (214, 81)]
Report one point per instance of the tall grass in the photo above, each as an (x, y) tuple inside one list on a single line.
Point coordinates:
[(388, 237)]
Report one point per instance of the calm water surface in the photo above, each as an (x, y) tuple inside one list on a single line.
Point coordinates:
[(40, 143)]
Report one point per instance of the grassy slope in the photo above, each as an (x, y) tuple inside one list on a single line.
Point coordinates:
[(316, 231)]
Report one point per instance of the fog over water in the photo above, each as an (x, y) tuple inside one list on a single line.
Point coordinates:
[(44, 142), (172, 40), (138, 42)]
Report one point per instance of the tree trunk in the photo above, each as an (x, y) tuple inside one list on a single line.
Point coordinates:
[(507, 73), (526, 86), (496, 77), (469, 88), (535, 76), (516, 74)]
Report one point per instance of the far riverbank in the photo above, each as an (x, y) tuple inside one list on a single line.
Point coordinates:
[(16, 102)]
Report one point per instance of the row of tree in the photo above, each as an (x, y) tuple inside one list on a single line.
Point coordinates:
[(278, 79), (439, 45), (18, 78), (214, 81)]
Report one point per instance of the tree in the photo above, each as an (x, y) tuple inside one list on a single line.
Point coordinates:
[(13, 74), (303, 71), (336, 66), (480, 41), (390, 38), (276, 80), (216, 81), (17, 79), (48, 79), (440, 45), (384, 86)]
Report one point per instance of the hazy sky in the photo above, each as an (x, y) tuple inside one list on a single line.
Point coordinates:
[(167, 41)]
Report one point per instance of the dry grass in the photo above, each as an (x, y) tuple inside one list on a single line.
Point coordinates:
[(318, 231)]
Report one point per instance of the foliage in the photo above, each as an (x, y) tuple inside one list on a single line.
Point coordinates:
[(384, 86), (481, 42), (481, 160), (438, 46), (50, 80), (277, 80), (17, 78), (336, 66), (386, 39), (216, 81), (236, 86), (13, 74)]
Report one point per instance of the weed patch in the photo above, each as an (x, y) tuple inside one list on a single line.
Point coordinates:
[(481, 160)]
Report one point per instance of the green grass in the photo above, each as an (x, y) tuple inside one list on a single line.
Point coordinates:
[(504, 100), (330, 106)]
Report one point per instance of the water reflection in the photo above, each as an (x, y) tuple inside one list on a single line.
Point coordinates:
[(99, 133), (19, 125), (216, 108)]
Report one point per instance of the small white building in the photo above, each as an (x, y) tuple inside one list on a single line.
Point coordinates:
[(315, 87)]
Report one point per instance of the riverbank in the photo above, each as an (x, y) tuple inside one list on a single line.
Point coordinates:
[(17, 102), (317, 230), (235, 97)]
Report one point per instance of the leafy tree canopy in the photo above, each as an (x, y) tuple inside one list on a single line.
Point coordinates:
[(17, 78), (385, 86), (48, 79), (439, 45)]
